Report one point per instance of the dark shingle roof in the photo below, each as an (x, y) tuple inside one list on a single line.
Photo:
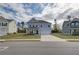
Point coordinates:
[(65, 22), (71, 21), (33, 20)]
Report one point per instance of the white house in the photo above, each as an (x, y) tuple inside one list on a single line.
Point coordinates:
[(7, 26), (71, 27), (38, 27)]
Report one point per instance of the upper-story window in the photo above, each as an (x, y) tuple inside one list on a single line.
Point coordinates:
[(41, 25), (33, 25), (72, 24), (36, 25), (29, 25), (4, 24), (77, 24), (0, 24), (67, 24), (48, 25)]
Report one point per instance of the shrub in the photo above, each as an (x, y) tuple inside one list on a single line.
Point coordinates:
[(14, 33), (55, 31), (22, 31), (8, 33)]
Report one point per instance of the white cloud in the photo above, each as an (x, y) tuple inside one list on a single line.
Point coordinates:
[(20, 14), (50, 11)]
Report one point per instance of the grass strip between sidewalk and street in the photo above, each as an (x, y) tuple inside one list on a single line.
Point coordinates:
[(20, 37), (69, 38)]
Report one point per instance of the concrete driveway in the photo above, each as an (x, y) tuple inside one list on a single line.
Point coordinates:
[(50, 38)]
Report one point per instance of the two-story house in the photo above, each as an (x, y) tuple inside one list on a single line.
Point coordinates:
[(71, 27), (7, 26), (38, 27)]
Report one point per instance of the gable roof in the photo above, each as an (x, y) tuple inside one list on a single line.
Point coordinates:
[(1, 17), (34, 20), (65, 23), (71, 21), (75, 19)]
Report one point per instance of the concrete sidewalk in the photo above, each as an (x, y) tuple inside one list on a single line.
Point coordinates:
[(50, 38)]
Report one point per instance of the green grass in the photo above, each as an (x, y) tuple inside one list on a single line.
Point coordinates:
[(63, 36), (70, 38), (20, 36)]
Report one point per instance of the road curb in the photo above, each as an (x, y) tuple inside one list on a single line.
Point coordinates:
[(18, 40), (2, 40)]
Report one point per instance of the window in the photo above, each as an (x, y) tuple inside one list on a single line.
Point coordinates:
[(72, 24), (30, 25), (36, 25), (0, 24), (48, 25), (41, 25), (67, 24), (33, 25), (77, 24), (4, 24)]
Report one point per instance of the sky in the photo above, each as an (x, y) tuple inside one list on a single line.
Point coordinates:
[(45, 11), (21, 11)]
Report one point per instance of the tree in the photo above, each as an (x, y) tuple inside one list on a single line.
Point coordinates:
[(18, 24), (22, 23), (69, 17), (55, 26)]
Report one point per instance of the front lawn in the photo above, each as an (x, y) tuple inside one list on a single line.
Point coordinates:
[(20, 36), (73, 38)]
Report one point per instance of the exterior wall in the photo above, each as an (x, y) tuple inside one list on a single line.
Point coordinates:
[(72, 29), (75, 31), (12, 28), (3, 29), (43, 28), (7, 26), (66, 31)]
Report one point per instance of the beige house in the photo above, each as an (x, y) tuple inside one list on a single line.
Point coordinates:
[(7, 26)]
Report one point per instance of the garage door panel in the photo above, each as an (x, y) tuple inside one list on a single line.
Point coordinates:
[(3, 31), (45, 32)]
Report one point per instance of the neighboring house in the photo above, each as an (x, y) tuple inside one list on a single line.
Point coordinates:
[(38, 27), (19, 26), (71, 27), (7, 26)]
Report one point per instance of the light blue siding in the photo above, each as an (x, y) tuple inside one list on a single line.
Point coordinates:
[(43, 28)]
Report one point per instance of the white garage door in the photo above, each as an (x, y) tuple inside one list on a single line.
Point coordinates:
[(3, 31), (45, 32)]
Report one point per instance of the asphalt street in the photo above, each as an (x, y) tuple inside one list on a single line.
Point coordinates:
[(39, 48)]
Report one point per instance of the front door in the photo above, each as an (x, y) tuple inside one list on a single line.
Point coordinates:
[(36, 31), (75, 32)]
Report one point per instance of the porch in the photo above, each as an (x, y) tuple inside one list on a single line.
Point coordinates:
[(32, 30), (74, 31)]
